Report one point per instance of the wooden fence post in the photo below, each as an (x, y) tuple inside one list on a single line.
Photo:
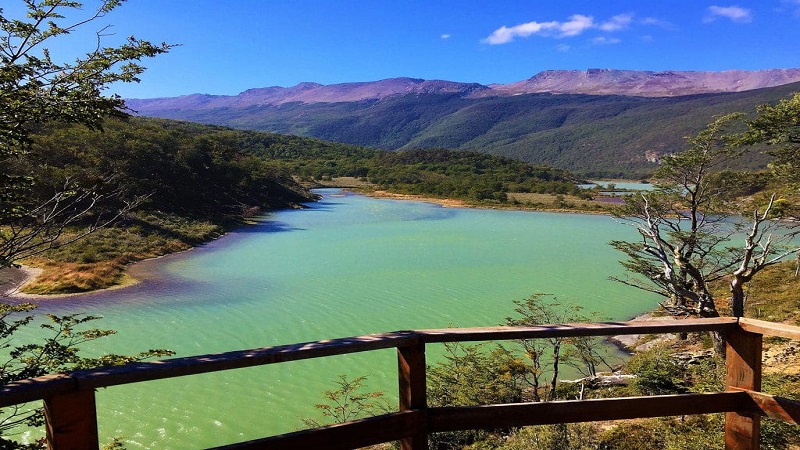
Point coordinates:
[(743, 365), (413, 394), (71, 421)]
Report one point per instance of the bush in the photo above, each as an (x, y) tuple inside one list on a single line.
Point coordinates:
[(657, 372)]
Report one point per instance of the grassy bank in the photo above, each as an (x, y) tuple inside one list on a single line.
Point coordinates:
[(99, 261)]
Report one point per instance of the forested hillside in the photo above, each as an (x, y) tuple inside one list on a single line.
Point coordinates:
[(591, 135), (181, 169)]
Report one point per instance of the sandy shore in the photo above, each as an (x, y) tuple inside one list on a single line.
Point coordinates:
[(452, 203), (12, 279), (449, 203)]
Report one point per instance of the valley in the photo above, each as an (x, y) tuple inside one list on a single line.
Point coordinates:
[(612, 132)]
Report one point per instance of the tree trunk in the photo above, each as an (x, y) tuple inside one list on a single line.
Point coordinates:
[(737, 297), (556, 361), (717, 339)]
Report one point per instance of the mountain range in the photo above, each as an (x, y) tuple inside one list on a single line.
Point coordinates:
[(598, 121)]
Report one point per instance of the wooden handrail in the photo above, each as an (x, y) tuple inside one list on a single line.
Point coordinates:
[(573, 411), (743, 402), (192, 365), (770, 328), (721, 324)]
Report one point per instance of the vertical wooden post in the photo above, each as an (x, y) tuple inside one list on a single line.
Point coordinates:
[(413, 394), (71, 421), (743, 364)]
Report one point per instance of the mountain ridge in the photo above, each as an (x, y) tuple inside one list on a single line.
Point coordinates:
[(668, 83), (590, 82)]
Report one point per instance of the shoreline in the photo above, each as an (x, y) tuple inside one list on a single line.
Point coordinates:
[(456, 203), (628, 342), (27, 274), (16, 278)]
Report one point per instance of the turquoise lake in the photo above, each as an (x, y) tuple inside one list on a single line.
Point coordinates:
[(348, 265)]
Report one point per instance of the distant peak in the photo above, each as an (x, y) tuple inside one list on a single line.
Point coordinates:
[(307, 85), (667, 83)]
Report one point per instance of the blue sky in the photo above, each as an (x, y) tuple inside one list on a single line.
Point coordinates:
[(229, 46)]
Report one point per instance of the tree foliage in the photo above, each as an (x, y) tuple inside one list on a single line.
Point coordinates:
[(194, 171), (547, 355), (349, 401), (433, 172), (36, 89), (482, 374), (779, 126)]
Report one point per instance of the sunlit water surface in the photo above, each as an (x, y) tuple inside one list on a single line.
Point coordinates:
[(348, 265)]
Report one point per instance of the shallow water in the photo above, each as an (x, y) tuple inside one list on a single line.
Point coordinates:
[(348, 265)]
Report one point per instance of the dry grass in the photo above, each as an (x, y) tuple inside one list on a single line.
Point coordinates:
[(561, 202), (98, 261), (67, 277)]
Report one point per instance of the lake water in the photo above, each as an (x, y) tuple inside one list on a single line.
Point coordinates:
[(347, 265), (628, 185)]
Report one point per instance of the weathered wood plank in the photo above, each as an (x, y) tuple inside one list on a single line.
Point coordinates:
[(176, 367), (34, 389), (145, 371), (71, 421), (770, 329), (360, 433), (743, 365), (523, 414), (413, 391), (779, 408), (721, 324)]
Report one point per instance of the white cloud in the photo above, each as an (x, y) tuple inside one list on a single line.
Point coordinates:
[(658, 23), (445, 36), (617, 22), (504, 34), (603, 40), (734, 13), (792, 5), (576, 25)]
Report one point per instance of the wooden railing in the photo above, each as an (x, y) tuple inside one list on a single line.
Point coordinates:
[(71, 416)]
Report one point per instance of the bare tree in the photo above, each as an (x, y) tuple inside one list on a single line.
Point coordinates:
[(690, 235)]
